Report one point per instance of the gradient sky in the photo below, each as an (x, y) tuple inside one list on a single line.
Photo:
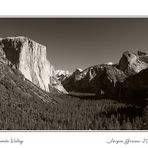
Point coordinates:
[(80, 43)]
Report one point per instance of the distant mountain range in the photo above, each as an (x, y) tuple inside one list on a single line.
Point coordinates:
[(122, 80)]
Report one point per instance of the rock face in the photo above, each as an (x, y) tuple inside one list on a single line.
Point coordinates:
[(62, 74), (96, 79), (78, 81), (107, 78), (110, 80), (30, 58), (134, 88), (13, 85), (132, 63)]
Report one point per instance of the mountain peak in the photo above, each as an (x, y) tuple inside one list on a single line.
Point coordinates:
[(132, 63), (140, 53), (79, 69), (109, 63)]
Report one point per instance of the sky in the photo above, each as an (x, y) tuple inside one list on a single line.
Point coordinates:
[(81, 42)]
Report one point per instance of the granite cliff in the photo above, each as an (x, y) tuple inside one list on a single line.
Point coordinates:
[(132, 63), (29, 57), (95, 79)]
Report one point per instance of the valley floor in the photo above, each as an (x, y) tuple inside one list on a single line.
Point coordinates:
[(71, 113)]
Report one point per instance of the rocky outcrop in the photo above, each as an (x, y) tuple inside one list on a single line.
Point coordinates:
[(134, 88), (110, 80), (14, 85), (132, 63), (79, 81), (107, 78), (62, 74), (96, 79), (30, 58)]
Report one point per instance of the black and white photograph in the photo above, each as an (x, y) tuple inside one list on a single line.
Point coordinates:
[(74, 74)]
